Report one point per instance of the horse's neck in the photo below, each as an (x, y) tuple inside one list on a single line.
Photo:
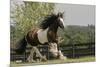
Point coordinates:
[(53, 28)]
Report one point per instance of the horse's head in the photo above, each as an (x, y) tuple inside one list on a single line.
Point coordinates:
[(53, 20), (60, 20)]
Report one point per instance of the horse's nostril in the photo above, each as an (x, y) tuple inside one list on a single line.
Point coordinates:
[(62, 26)]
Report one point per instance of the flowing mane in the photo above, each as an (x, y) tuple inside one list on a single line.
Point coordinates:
[(48, 21)]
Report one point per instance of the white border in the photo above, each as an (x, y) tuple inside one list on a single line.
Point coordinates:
[(4, 32), (90, 2)]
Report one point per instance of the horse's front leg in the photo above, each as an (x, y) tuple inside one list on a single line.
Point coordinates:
[(55, 51), (60, 54)]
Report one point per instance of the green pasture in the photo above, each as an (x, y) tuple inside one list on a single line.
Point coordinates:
[(68, 60)]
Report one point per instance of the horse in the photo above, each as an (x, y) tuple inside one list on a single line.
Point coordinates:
[(45, 34)]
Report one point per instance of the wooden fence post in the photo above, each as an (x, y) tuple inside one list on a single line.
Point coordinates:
[(25, 56), (73, 47)]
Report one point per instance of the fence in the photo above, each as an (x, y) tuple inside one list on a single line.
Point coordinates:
[(70, 51)]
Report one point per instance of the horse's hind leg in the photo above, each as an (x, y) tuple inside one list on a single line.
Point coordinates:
[(36, 52), (30, 57), (39, 55)]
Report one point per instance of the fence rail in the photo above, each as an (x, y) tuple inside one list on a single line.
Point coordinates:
[(70, 51)]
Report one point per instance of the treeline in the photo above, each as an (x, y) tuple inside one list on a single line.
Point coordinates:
[(78, 34)]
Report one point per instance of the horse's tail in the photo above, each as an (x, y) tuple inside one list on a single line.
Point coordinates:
[(21, 46)]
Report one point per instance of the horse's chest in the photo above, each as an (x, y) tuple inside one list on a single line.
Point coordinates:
[(42, 36)]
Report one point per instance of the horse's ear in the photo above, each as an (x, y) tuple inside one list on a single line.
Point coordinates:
[(60, 14)]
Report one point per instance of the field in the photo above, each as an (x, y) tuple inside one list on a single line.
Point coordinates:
[(68, 60)]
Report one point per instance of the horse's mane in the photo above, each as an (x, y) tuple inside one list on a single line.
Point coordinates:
[(48, 21)]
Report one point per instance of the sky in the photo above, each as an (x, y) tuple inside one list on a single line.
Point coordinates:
[(75, 14)]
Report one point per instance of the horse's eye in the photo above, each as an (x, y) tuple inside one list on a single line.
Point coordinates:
[(61, 16)]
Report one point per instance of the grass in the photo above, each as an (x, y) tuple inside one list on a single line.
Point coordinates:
[(69, 60)]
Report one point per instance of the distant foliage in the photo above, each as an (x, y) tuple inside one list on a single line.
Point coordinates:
[(78, 34)]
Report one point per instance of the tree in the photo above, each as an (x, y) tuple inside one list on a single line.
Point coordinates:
[(26, 16)]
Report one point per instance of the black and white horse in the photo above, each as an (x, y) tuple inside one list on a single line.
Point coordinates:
[(46, 34)]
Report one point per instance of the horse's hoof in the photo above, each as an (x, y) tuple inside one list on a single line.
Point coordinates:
[(63, 58), (44, 58), (38, 60), (30, 61)]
